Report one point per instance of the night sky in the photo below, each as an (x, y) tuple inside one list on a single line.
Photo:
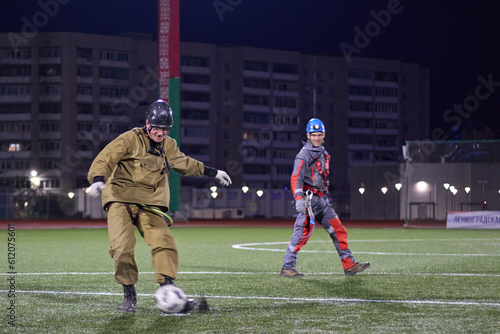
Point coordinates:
[(456, 40)]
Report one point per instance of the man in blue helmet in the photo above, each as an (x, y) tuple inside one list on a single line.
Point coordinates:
[(309, 183)]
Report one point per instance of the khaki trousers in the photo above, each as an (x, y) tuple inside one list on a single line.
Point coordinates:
[(156, 234)]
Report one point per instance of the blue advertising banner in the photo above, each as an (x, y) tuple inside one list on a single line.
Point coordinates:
[(473, 219)]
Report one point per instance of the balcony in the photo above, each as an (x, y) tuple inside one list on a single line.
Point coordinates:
[(195, 70), (114, 63), (256, 177), (365, 131), (360, 82), (16, 98), (195, 105), (392, 132), (257, 91), (285, 93), (361, 98), (50, 60), (50, 135), (84, 98), (50, 117), (385, 115), (51, 98), (16, 117), (15, 80), (257, 74), (50, 154), (360, 147), (258, 108), (84, 80), (195, 87), (361, 114), (286, 76), (15, 136), (50, 79), (15, 155)]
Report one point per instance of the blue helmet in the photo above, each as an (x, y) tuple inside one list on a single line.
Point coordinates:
[(315, 125)]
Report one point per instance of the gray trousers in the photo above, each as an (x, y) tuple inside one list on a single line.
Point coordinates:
[(303, 227)]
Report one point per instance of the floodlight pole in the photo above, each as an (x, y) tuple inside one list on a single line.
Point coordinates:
[(407, 162)]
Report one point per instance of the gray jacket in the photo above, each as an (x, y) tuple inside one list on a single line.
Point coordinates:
[(310, 169)]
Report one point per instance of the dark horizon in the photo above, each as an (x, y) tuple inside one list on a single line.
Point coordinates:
[(455, 41)]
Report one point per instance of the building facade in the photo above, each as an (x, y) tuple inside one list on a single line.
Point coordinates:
[(64, 96)]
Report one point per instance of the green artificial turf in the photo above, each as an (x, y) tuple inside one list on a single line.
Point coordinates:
[(420, 281)]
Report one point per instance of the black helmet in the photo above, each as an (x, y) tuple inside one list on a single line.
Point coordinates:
[(159, 114)]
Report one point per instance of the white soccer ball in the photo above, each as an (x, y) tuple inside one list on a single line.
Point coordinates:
[(170, 299)]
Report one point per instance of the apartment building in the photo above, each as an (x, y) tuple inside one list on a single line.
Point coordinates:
[(64, 96)]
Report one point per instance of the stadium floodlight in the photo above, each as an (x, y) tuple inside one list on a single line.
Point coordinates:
[(422, 186)]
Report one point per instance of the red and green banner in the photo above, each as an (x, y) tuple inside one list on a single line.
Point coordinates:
[(169, 77)]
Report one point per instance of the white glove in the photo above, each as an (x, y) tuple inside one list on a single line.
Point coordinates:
[(95, 188), (300, 206), (223, 178)]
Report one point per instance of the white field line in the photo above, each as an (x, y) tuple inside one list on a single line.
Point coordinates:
[(253, 273), (287, 299), (248, 246)]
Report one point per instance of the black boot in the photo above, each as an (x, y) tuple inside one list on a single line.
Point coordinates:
[(130, 299), (168, 280)]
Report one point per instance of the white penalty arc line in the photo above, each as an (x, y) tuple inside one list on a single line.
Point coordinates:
[(288, 299), (251, 273), (248, 246)]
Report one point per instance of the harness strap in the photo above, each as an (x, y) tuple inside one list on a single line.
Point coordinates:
[(315, 191), (323, 172), (161, 213), (136, 218)]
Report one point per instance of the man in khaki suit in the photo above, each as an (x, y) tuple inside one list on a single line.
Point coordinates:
[(132, 172)]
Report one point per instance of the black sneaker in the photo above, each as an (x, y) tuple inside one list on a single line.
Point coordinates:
[(357, 268), (130, 299)]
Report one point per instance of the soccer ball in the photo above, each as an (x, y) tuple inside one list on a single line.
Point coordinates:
[(170, 299)]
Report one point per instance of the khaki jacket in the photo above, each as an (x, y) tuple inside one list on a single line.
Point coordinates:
[(134, 175)]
